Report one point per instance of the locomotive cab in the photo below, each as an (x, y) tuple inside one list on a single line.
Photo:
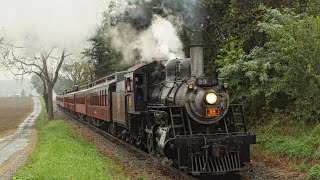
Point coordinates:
[(140, 83), (136, 92)]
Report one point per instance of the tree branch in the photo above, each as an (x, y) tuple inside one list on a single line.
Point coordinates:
[(63, 56)]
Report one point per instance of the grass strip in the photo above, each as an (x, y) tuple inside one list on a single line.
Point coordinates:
[(294, 141), (62, 153)]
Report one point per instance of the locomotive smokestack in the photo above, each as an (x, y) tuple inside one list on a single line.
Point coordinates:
[(196, 55)]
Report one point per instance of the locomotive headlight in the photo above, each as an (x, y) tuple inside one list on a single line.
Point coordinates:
[(211, 98)]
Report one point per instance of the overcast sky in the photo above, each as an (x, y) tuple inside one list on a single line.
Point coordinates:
[(38, 23)]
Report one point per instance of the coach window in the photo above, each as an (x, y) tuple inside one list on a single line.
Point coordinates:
[(94, 99), (102, 101), (105, 97), (129, 85), (100, 97)]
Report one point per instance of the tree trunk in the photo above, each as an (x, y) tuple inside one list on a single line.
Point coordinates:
[(50, 102), (45, 95)]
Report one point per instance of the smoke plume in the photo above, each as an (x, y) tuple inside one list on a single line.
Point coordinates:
[(143, 29), (160, 39)]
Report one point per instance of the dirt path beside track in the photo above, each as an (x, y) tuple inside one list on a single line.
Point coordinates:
[(15, 148)]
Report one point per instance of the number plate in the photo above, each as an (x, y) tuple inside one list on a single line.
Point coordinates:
[(212, 111), (205, 81)]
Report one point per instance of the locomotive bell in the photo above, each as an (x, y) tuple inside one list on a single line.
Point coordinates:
[(196, 55)]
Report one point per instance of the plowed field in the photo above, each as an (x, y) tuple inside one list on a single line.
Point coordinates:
[(13, 110)]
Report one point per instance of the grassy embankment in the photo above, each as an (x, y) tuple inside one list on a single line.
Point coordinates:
[(62, 153), (295, 141)]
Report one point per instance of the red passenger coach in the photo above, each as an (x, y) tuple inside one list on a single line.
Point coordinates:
[(71, 102), (66, 102), (81, 102), (59, 101), (94, 101), (98, 106)]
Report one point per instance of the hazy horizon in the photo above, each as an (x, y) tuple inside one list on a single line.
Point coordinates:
[(45, 23)]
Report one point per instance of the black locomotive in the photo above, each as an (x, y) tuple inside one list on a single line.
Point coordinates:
[(170, 109)]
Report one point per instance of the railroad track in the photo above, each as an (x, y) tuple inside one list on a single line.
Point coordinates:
[(155, 163)]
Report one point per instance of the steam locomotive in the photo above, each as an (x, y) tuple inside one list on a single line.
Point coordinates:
[(169, 109)]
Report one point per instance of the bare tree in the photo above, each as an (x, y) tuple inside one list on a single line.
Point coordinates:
[(44, 64)]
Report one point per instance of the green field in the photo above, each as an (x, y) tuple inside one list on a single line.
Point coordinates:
[(62, 153)]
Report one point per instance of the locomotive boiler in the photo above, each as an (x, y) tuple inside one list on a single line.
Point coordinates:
[(170, 109)]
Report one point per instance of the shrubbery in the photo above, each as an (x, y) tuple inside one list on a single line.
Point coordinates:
[(283, 75)]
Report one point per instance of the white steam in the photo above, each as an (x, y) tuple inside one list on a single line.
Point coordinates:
[(160, 40)]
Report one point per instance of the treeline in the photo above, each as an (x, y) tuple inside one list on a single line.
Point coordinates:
[(278, 77), (266, 49)]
